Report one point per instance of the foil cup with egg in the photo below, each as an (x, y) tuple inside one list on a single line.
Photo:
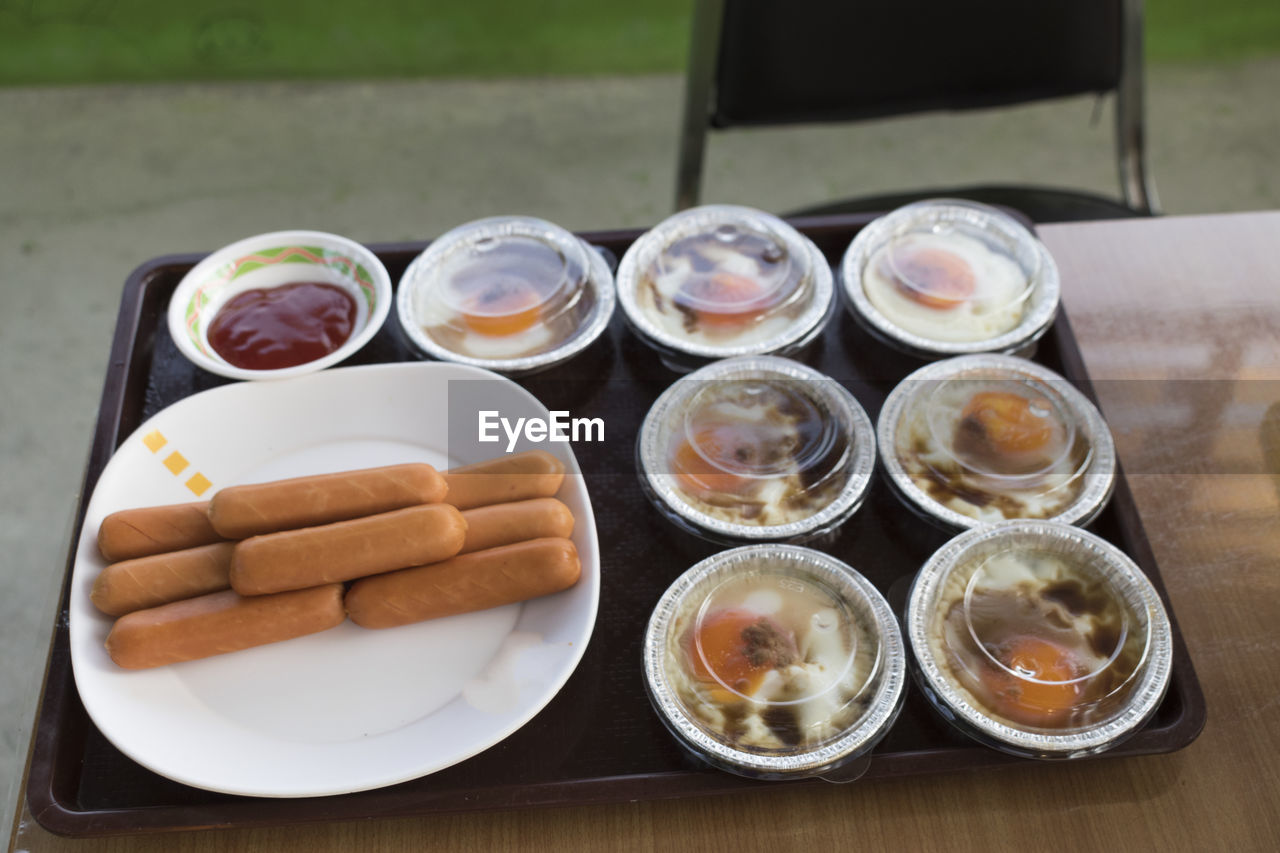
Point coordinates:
[(776, 662), (1039, 639), (720, 281), (756, 448), (512, 294), (987, 438), (946, 277)]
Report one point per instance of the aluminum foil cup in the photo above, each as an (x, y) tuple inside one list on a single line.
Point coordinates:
[(776, 662), (512, 294), (720, 281), (978, 439), (756, 448), (947, 277), (1039, 639)]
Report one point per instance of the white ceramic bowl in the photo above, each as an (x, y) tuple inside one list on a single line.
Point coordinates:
[(270, 260)]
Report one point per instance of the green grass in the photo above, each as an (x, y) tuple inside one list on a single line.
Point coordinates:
[(75, 41), (1212, 30), (67, 41)]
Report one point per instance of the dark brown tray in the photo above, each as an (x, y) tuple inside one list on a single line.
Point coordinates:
[(598, 740)]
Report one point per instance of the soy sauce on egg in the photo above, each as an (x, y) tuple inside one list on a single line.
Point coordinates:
[(760, 451), (726, 284), (1037, 641), (771, 662)]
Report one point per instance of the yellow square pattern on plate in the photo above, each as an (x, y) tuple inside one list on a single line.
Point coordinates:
[(154, 440), (175, 462), (198, 484)]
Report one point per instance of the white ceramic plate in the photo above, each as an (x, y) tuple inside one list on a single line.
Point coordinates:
[(348, 709)]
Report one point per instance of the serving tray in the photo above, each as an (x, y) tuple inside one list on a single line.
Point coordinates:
[(598, 740)]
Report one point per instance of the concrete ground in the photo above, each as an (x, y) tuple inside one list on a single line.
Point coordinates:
[(96, 180)]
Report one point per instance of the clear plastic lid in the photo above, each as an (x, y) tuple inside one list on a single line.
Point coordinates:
[(989, 438), (746, 636), (946, 269), (1011, 433), (722, 280), (508, 293), (757, 447), (737, 435), (728, 277), (503, 285), (1041, 636), (775, 660), (949, 277)]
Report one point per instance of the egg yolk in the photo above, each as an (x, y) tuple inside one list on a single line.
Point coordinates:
[(737, 648), (932, 277), (722, 298), (1044, 702), (1007, 421), (700, 463), (502, 307)]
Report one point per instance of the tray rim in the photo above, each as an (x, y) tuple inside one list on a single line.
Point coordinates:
[(52, 805)]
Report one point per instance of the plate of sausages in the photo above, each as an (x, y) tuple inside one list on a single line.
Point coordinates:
[(306, 588)]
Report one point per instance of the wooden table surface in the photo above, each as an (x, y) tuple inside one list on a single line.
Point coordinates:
[(1179, 322)]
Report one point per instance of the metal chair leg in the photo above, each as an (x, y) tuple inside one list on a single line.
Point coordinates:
[(704, 50), (1131, 139)]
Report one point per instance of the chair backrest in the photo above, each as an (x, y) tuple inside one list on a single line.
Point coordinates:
[(754, 62)]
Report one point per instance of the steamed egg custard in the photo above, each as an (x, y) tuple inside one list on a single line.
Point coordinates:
[(771, 662), (993, 449), (757, 451), (1037, 640), (946, 286), (730, 286), (505, 297)]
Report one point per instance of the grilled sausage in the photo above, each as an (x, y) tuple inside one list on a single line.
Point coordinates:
[(504, 524), (534, 474), (238, 512), (345, 550), (141, 532), (218, 623), (132, 585), (474, 581)]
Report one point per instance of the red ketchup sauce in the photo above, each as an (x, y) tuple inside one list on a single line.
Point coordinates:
[(282, 326)]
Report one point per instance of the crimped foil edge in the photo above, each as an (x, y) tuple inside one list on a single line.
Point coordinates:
[(1099, 479), (881, 712), (802, 330), (848, 409), (1127, 577), (599, 279), (1035, 322)]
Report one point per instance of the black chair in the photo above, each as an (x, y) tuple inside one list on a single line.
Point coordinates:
[(755, 63)]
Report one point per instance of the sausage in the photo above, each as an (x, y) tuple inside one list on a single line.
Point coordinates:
[(344, 550), (132, 585), (218, 623), (132, 533), (503, 524), (238, 512), (533, 474), (467, 582)]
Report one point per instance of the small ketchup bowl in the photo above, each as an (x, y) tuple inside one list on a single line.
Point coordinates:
[(281, 304)]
